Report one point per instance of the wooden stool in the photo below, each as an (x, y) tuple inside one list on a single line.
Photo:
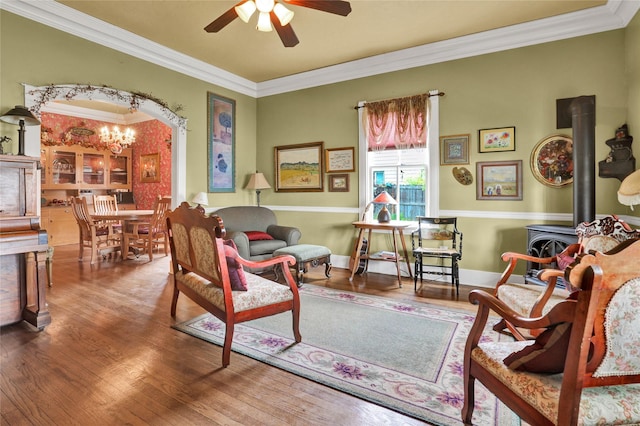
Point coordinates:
[(307, 254)]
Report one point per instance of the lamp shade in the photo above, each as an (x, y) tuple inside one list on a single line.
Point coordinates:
[(20, 113), (629, 192), (384, 198), (201, 198), (257, 181)]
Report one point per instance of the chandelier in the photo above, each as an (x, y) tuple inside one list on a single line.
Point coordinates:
[(115, 139)]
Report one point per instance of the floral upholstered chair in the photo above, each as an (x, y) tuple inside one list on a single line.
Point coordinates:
[(209, 271), (584, 369), (531, 300)]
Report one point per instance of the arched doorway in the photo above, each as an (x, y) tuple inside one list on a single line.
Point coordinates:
[(37, 96)]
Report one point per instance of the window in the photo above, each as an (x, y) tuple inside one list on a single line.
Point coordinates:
[(408, 172)]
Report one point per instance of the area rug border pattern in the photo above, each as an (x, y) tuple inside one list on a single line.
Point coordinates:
[(362, 379)]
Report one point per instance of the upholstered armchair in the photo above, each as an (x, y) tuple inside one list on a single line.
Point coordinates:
[(584, 369), (532, 300), (255, 231)]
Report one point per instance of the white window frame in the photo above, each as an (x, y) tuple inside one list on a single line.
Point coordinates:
[(432, 162)]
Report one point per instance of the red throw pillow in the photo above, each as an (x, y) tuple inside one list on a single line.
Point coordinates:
[(236, 273), (258, 235)]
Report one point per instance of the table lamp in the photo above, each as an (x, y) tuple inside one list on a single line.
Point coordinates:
[(200, 199), (22, 117), (384, 198), (257, 181)]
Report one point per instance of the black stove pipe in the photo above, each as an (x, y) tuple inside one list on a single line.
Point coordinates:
[(583, 113)]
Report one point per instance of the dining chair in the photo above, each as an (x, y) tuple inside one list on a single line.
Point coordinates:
[(437, 249), (106, 204), (147, 235), (99, 237)]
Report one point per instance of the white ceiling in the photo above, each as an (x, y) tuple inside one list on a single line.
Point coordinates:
[(378, 36)]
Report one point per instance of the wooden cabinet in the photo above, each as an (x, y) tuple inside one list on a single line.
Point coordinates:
[(60, 225), (23, 244), (76, 167)]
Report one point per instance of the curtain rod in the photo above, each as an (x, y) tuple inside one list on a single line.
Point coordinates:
[(428, 95)]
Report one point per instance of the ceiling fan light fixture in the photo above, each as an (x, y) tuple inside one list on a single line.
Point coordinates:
[(245, 10), (284, 15), (265, 6), (264, 22)]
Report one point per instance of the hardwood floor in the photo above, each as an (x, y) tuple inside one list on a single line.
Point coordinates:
[(110, 357)]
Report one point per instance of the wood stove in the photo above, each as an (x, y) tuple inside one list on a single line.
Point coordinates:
[(549, 240)]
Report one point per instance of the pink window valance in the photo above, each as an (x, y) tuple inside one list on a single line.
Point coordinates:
[(397, 123)]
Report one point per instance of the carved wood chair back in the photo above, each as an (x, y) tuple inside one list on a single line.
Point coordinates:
[(99, 237)]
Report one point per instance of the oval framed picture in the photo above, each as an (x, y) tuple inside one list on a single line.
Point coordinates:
[(552, 161)]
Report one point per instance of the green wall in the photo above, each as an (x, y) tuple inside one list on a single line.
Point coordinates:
[(516, 87)]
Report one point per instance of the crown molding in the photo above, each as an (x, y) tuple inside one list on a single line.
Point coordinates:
[(615, 14), (63, 18)]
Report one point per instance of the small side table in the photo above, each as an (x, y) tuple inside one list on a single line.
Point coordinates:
[(396, 227)]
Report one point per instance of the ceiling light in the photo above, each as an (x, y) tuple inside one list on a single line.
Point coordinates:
[(284, 15), (245, 10), (265, 6), (264, 22), (115, 136)]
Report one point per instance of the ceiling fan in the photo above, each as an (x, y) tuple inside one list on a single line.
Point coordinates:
[(274, 12)]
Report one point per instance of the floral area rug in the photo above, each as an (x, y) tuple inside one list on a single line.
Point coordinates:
[(404, 356)]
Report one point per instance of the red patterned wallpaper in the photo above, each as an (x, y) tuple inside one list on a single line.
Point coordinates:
[(151, 137)]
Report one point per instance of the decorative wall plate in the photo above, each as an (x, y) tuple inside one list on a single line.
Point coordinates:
[(462, 175), (552, 161)]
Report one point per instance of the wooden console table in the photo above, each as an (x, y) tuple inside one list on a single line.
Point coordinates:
[(396, 227)]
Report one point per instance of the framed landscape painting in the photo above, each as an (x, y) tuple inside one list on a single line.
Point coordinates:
[(299, 167), (499, 180), (221, 124)]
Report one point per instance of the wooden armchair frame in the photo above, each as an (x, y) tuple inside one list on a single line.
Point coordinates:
[(599, 276), (202, 274), (535, 300)]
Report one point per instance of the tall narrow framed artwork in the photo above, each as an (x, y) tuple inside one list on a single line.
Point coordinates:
[(150, 168), (299, 167), (221, 143)]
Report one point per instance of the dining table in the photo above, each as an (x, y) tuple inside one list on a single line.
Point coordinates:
[(125, 217)]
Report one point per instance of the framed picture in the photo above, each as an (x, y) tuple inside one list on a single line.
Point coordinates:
[(496, 140), (339, 160), (299, 167), (454, 149), (499, 180), (150, 167), (339, 183), (221, 139), (552, 161)]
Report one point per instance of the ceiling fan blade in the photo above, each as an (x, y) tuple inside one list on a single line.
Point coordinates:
[(223, 20), (286, 33), (338, 7)]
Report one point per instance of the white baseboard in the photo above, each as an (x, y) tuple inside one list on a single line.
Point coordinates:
[(467, 276)]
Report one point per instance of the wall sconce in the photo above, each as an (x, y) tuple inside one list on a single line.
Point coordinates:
[(384, 198), (200, 199), (21, 116), (257, 181)]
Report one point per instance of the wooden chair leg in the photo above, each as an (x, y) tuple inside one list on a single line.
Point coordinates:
[(226, 348)]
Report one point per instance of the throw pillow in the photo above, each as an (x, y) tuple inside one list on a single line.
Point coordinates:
[(546, 355), (236, 273), (258, 235)]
